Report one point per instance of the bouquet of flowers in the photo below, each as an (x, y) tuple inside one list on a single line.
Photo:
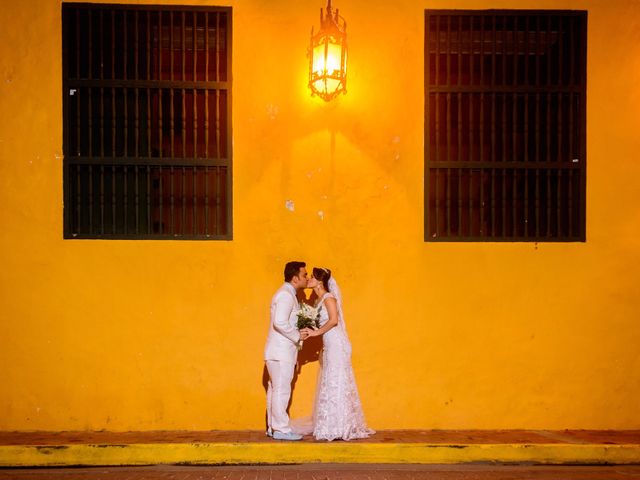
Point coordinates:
[(308, 317)]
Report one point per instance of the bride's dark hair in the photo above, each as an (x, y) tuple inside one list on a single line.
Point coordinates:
[(323, 275)]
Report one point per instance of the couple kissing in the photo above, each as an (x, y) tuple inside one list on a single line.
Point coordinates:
[(337, 411)]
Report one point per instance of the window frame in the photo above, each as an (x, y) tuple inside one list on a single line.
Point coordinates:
[(225, 162), (579, 123)]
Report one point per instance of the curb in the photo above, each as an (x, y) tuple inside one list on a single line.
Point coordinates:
[(244, 453)]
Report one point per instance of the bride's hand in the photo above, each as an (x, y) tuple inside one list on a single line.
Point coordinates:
[(310, 332)]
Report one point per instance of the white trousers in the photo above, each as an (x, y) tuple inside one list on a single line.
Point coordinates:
[(278, 394)]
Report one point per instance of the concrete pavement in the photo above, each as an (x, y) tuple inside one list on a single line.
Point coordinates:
[(331, 472), (46, 449)]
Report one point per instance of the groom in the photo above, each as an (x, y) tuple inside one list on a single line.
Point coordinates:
[(281, 350)]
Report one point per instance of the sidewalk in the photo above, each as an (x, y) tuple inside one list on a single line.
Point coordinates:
[(23, 449)]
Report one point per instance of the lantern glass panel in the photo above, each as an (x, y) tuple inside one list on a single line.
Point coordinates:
[(319, 59)]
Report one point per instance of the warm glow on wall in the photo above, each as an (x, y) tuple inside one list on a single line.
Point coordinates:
[(328, 56)]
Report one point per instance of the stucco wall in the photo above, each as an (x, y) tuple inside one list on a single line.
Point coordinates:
[(137, 335)]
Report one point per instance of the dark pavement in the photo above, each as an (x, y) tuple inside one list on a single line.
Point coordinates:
[(331, 472)]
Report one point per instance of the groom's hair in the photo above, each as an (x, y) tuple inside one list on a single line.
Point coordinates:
[(291, 269)]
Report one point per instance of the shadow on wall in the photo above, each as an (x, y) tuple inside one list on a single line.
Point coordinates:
[(295, 128)]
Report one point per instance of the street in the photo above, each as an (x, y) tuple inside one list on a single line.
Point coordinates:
[(331, 472)]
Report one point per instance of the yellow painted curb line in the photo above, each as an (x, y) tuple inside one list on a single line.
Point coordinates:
[(338, 452)]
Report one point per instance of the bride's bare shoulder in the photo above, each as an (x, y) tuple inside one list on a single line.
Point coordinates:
[(330, 297)]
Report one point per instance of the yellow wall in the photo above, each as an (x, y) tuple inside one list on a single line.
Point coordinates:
[(138, 335)]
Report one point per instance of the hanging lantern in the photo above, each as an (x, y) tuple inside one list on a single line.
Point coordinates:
[(328, 56)]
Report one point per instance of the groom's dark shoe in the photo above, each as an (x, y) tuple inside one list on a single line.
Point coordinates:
[(286, 436)]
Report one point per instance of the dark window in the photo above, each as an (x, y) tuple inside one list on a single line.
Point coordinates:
[(505, 115), (147, 110)]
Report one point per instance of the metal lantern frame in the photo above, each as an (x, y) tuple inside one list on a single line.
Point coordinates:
[(328, 84)]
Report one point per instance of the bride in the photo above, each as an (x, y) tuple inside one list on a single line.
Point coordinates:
[(337, 413)]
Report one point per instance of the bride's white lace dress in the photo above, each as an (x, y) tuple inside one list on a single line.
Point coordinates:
[(337, 412)]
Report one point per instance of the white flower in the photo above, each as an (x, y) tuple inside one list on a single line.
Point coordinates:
[(307, 311)]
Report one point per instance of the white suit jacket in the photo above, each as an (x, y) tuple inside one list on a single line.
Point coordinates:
[(283, 334)]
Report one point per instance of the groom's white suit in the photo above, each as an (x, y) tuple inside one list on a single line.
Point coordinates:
[(280, 355)]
